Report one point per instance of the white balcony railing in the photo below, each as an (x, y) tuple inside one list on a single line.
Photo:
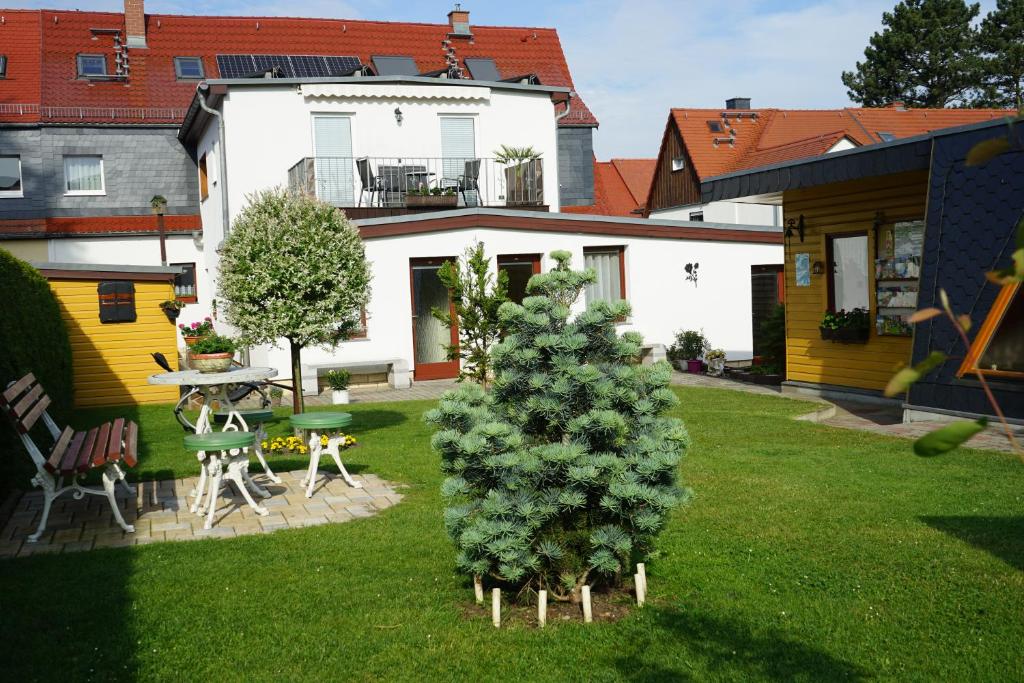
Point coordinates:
[(418, 182)]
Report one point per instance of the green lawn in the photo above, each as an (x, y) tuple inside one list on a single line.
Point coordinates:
[(808, 553)]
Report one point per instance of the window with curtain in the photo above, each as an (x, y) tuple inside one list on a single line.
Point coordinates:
[(185, 283), (607, 262), (848, 277), (83, 175)]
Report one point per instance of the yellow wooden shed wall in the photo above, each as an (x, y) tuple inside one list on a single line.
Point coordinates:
[(111, 360), (836, 208)]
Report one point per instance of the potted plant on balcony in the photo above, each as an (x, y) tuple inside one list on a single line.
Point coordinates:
[(194, 332), (338, 381), (846, 327), (524, 175), (172, 308), (431, 196), (687, 350), (213, 353)]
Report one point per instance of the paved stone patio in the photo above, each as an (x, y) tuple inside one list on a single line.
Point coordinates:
[(159, 510)]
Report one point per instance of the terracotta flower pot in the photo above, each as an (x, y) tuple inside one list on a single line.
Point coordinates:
[(212, 362), (189, 341), (694, 367)]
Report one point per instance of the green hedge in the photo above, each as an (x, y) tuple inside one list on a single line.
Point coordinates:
[(33, 338)]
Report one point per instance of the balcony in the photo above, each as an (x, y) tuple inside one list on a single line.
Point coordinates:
[(380, 186)]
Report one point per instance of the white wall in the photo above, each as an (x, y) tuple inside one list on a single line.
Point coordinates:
[(726, 212), (663, 301), (269, 129)]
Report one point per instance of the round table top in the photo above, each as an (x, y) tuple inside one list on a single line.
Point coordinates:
[(321, 420), (197, 379)]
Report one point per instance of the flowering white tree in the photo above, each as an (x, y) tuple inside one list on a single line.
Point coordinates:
[(293, 268)]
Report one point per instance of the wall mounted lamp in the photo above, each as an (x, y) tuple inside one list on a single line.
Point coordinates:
[(796, 224), (818, 268), (398, 116)]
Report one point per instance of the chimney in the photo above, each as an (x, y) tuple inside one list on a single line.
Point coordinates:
[(458, 21), (135, 23), (737, 103)]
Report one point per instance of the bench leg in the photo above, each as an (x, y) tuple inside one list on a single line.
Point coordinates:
[(334, 448), (109, 479), (237, 475), (121, 478), (49, 486), (215, 479), (314, 463), (261, 435)]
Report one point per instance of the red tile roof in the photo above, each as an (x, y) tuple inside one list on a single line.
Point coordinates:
[(42, 44), (776, 135), (620, 187), (97, 225)]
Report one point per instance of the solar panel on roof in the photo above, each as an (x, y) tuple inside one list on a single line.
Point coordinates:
[(390, 65), (291, 66), (483, 68)]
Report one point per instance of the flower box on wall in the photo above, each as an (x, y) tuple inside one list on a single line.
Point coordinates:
[(846, 335)]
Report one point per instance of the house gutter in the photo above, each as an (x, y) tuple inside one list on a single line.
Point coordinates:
[(222, 158), (568, 108)]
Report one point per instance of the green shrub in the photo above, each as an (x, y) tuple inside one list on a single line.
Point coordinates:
[(565, 472), (338, 380), (214, 343), (689, 345), (33, 338)]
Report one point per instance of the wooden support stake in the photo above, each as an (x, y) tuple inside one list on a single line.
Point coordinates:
[(642, 571), (542, 608), (478, 588), (638, 582), (588, 612), (496, 607)]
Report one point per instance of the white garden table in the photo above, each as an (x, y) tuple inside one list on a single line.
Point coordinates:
[(213, 388)]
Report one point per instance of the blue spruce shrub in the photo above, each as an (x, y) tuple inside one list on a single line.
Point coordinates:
[(564, 473)]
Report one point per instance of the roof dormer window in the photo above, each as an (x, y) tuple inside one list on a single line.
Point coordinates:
[(715, 126), (3, 66), (483, 69), (92, 65), (188, 68)]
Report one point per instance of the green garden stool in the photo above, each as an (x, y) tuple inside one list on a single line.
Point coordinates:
[(315, 424), (256, 417), (224, 450)]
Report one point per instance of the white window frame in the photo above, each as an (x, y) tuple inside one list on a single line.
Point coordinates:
[(85, 193), (183, 58), (90, 55), (678, 163), (14, 194)]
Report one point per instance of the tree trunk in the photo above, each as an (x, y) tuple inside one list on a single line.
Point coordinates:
[(297, 403)]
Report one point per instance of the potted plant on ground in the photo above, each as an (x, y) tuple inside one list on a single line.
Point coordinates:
[(275, 396), (194, 332), (716, 362), (436, 196), (172, 308), (846, 327), (338, 381), (524, 175), (687, 350), (212, 353)]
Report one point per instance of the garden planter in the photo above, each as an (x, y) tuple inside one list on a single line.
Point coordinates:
[(189, 341), (716, 366), (846, 335), (447, 200), (694, 367), (212, 362), (339, 397), (172, 313)]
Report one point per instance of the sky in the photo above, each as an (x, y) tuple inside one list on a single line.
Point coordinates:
[(632, 60)]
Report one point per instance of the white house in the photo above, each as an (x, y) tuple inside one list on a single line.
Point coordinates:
[(368, 145)]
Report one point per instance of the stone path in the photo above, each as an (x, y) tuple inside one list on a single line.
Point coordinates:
[(159, 511)]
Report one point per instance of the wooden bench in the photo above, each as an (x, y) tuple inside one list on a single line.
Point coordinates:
[(399, 375), (73, 453)]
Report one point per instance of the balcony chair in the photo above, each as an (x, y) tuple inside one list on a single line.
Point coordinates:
[(469, 181), (369, 183)]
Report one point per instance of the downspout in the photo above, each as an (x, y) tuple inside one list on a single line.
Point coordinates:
[(222, 158), (559, 117)]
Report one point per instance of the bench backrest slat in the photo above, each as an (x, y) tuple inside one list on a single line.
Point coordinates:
[(25, 402), (18, 387), (131, 441)]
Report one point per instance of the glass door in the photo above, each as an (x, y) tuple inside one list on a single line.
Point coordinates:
[(332, 147), (429, 335), (519, 268)]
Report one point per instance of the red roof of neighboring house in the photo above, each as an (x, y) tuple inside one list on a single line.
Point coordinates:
[(41, 46), (97, 225), (620, 187), (756, 137)]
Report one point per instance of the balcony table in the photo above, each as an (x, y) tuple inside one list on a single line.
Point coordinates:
[(213, 388)]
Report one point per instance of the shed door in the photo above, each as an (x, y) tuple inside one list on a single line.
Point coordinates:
[(332, 147)]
